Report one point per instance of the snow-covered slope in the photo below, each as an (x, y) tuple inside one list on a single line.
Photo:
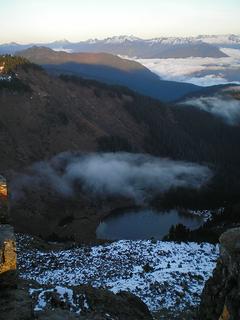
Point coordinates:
[(121, 39), (174, 40), (163, 274)]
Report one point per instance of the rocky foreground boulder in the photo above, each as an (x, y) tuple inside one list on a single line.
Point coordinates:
[(28, 301), (25, 300), (7, 249), (8, 259), (221, 295)]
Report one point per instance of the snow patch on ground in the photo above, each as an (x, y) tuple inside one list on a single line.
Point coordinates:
[(6, 78), (163, 274), (63, 50), (42, 298)]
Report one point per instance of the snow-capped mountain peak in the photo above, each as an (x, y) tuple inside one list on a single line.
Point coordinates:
[(173, 40), (121, 39)]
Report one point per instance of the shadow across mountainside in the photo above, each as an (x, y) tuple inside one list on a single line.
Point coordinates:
[(70, 114), (109, 69)]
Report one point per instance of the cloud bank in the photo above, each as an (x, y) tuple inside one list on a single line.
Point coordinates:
[(136, 176), (227, 109), (199, 71)]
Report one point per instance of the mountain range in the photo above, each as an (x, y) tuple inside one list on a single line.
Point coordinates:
[(163, 47)]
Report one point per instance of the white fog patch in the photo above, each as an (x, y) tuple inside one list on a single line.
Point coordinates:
[(227, 109), (197, 70), (63, 49), (136, 176)]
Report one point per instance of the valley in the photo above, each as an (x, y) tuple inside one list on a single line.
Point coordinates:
[(115, 194), (94, 125)]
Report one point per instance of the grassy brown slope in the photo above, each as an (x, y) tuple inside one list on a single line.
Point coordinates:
[(56, 116), (109, 69), (43, 55)]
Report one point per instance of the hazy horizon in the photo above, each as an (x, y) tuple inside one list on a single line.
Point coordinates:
[(29, 21)]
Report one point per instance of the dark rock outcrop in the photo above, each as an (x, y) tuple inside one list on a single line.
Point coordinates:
[(28, 301), (221, 295), (85, 302), (23, 300), (8, 259), (16, 303), (4, 216)]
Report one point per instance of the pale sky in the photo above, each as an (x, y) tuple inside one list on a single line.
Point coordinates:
[(48, 20)]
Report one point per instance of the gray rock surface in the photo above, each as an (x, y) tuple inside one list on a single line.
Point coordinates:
[(221, 295), (29, 302)]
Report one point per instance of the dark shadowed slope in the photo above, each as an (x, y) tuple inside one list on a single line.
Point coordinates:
[(109, 69), (42, 115)]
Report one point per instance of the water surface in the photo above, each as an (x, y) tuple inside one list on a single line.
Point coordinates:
[(143, 224)]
